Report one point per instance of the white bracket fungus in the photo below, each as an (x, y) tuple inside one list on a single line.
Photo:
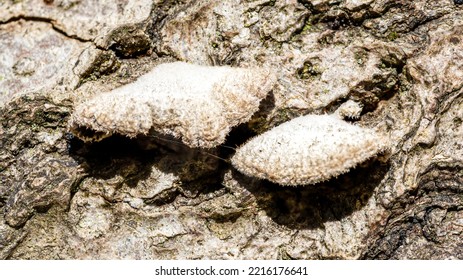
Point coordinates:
[(307, 150), (349, 109), (197, 104)]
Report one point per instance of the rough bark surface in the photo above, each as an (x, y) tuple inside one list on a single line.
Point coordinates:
[(149, 198)]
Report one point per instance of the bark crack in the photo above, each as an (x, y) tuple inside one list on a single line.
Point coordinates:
[(53, 25)]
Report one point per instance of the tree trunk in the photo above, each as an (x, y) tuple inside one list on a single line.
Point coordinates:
[(154, 198)]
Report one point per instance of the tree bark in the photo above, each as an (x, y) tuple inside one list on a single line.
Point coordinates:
[(155, 198)]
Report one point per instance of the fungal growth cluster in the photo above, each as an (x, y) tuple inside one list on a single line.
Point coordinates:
[(197, 104), (200, 105), (307, 150)]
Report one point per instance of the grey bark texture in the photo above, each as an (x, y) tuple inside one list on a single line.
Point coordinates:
[(154, 198)]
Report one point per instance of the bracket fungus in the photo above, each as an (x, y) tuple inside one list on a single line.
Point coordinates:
[(349, 109), (197, 104), (307, 150)]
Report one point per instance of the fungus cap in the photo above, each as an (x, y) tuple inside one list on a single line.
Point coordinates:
[(349, 109), (307, 150), (197, 104)]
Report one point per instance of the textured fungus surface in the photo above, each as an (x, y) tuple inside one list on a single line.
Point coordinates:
[(307, 150), (197, 104)]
